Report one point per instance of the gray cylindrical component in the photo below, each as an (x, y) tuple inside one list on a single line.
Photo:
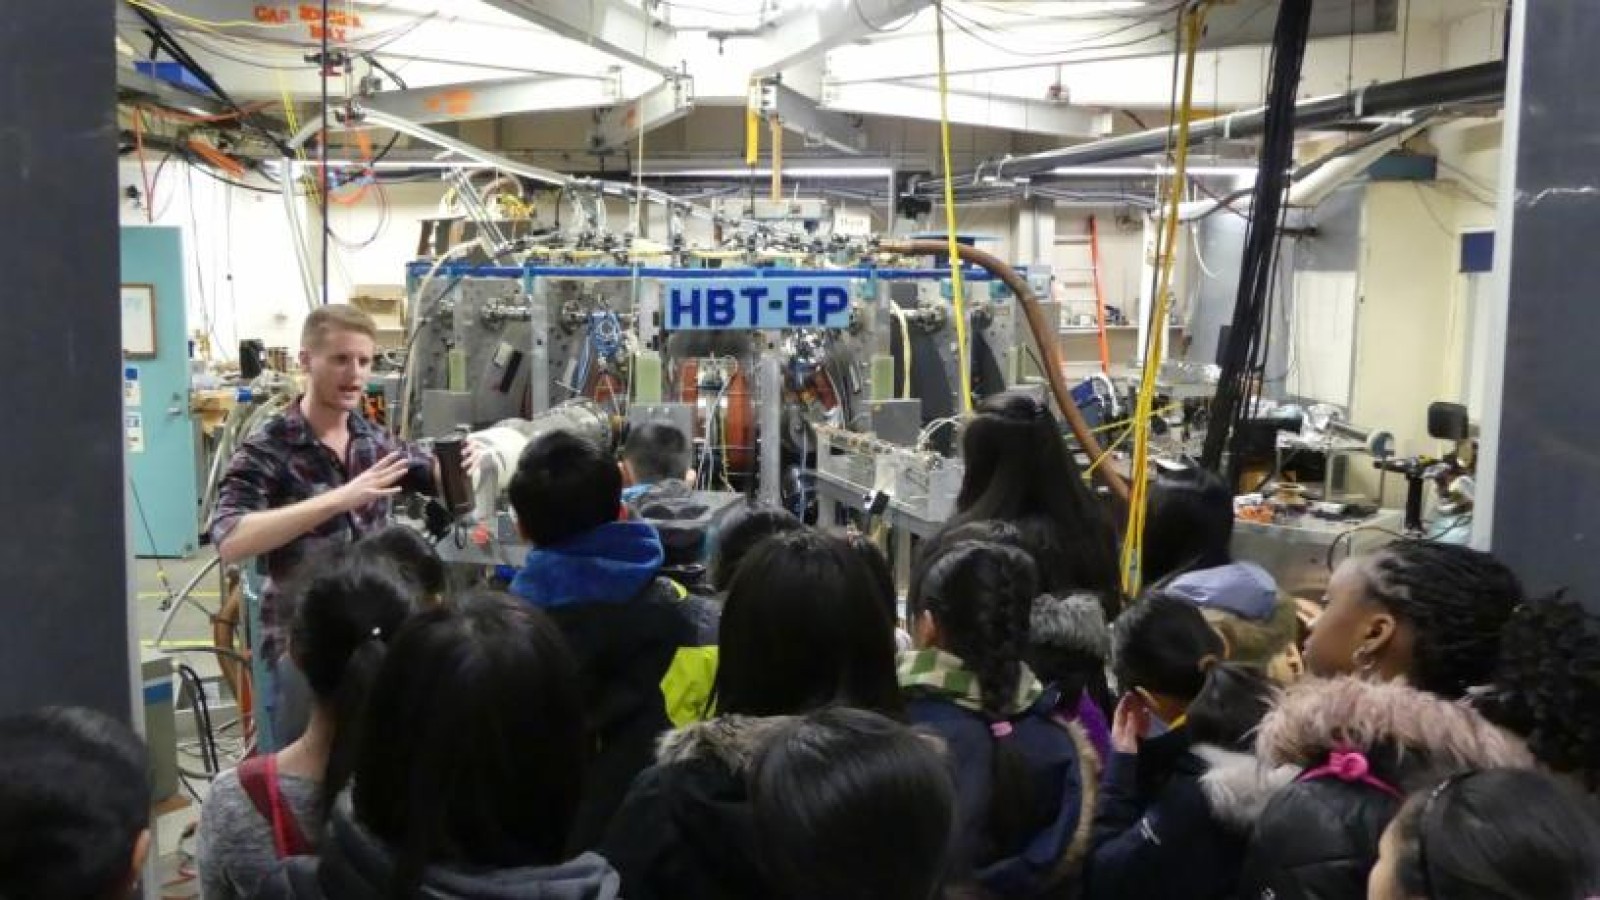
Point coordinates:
[(583, 418)]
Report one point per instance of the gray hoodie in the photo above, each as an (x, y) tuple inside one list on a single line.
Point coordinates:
[(356, 866)]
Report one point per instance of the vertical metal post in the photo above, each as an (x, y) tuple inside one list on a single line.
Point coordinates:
[(64, 537), (539, 353), (769, 428), (1538, 474)]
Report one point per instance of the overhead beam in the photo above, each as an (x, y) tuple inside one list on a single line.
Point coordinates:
[(624, 31), (493, 99), (667, 102), (281, 22), (438, 48), (810, 32), (905, 55), (800, 114), (1472, 84), (984, 111)]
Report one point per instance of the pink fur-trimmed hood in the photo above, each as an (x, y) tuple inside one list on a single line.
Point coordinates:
[(1429, 734)]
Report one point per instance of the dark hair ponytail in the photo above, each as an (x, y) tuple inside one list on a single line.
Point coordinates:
[(1018, 470), (1545, 687), (1231, 704), (347, 608), (981, 594)]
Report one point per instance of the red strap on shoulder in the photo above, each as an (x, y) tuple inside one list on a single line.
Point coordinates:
[(258, 776)]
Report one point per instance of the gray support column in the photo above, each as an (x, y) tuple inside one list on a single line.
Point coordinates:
[(1540, 497), (63, 540)]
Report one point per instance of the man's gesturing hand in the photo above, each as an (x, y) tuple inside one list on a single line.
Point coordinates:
[(377, 483)]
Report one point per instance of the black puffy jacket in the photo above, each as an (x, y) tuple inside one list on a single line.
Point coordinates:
[(1373, 743), (685, 830)]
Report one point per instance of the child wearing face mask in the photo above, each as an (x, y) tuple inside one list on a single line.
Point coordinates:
[(1182, 787)]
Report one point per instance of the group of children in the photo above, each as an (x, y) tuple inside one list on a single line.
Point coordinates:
[(627, 721)]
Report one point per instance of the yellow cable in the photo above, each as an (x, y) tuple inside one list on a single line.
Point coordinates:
[(752, 127), (1115, 425), (294, 128), (957, 287), (1133, 543), (1106, 455)]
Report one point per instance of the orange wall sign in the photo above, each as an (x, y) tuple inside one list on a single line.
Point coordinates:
[(336, 28)]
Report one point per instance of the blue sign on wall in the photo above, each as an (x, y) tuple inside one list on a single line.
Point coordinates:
[(757, 304)]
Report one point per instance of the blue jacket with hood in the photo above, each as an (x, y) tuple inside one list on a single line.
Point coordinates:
[(625, 624)]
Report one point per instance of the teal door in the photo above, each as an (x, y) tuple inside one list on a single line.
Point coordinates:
[(157, 424)]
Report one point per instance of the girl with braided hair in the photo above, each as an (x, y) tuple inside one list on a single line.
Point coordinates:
[(1409, 633), (1425, 613), (1022, 826)]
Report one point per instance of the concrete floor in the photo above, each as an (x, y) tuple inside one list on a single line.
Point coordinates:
[(155, 579)]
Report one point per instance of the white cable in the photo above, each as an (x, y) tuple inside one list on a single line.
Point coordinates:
[(905, 349), (1194, 235)]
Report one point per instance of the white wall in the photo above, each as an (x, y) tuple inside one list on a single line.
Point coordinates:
[(242, 276), (238, 252), (1404, 347), (1469, 156)]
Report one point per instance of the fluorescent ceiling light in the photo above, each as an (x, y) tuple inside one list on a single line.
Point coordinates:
[(448, 164), (395, 164), (1151, 171), (1098, 8), (796, 172)]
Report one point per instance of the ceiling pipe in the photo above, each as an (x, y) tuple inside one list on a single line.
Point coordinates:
[(1314, 188), (1473, 83)]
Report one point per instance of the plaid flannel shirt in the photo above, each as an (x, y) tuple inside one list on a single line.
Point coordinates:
[(283, 463)]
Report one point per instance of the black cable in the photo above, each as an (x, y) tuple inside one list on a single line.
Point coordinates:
[(163, 38), (1248, 336), (201, 708), (228, 181), (972, 28), (377, 232), (399, 83)]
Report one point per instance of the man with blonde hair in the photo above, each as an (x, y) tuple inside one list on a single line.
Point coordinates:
[(317, 474)]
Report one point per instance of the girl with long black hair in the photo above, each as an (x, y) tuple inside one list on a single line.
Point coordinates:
[(1018, 471), (467, 780), (348, 605), (804, 628)]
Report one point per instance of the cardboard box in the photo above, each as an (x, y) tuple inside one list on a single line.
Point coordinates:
[(386, 304)]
